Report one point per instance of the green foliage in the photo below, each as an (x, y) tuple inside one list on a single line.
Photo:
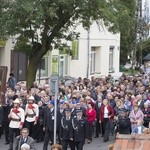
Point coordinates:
[(145, 47), (3, 42), (127, 29), (43, 20), (38, 24)]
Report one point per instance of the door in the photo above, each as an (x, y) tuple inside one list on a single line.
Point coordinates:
[(19, 65)]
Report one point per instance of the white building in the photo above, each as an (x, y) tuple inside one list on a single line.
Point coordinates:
[(5, 53), (146, 14), (98, 54)]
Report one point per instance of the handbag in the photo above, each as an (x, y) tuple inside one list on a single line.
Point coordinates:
[(93, 123)]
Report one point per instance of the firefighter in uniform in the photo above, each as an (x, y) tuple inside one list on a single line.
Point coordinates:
[(17, 120), (66, 132), (80, 127), (31, 114)]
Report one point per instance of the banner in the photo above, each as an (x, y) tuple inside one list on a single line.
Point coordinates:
[(75, 49), (55, 64)]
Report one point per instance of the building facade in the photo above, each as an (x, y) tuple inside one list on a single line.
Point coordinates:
[(95, 53), (5, 53)]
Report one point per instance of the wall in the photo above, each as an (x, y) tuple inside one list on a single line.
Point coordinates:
[(6, 55), (102, 39)]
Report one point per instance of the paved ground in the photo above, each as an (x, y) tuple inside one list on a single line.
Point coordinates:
[(97, 144)]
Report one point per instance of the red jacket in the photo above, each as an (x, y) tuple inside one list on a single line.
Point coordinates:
[(110, 112), (91, 116)]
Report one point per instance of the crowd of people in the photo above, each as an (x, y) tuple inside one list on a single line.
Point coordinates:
[(87, 108)]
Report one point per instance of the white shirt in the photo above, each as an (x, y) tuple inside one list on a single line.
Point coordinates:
[(20, 115), (32, 111), (99, 104), (105, 112)]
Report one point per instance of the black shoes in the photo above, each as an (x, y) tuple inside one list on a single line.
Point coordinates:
[(89, 141), (39, 140), (106, 140), (7, 142)]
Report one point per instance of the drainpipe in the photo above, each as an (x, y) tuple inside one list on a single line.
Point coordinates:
[(88, 56), (39, 72)]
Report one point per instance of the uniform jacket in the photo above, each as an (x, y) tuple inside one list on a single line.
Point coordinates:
[(59, 117), (66, 131), (16, 114), (80, 129), (30, 141), (32, 109)]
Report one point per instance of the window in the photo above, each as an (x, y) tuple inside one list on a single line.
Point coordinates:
[(75, 49), (93, 60), (43, 72), (63, 65), (111, 58)]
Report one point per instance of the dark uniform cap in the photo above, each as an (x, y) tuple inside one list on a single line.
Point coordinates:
[(52, 102), (61, 102)]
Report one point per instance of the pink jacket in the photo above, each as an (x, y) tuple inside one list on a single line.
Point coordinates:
[(134, 117)]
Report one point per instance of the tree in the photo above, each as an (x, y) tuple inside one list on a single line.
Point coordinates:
[(143, 46), (127, 30), (37, 24)]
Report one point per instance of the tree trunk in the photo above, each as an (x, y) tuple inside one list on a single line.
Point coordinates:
[(31, 71)]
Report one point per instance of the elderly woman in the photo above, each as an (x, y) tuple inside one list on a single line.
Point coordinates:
[(106, 114), (135, 115)]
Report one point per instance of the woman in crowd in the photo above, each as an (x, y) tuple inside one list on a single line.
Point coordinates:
[(91, 117), (135, 115), (106, 115)]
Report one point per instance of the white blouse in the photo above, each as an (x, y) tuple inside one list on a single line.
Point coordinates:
[(105, 112)]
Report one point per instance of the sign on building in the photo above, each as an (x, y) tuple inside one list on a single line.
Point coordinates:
[(75, 49), (55, 64)]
